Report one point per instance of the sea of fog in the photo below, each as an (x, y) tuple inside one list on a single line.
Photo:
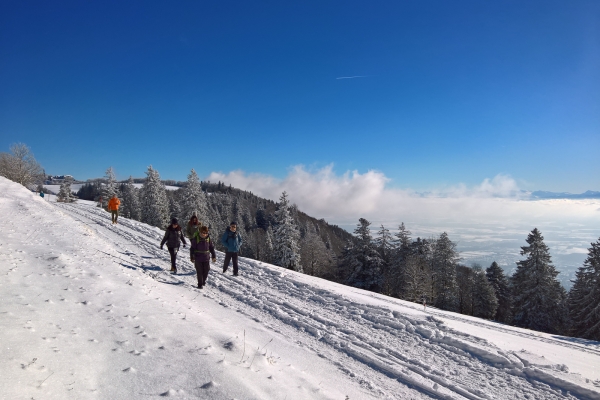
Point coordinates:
[(568, 228)]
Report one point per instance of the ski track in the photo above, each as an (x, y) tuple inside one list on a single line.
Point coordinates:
[(379, 348)]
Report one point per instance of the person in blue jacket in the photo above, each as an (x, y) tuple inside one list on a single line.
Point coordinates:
[(232, 240)]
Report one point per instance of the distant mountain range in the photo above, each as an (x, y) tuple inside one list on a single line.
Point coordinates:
[(540, 194)]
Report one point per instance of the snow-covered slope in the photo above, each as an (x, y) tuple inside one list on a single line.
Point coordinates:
[(88, 311)]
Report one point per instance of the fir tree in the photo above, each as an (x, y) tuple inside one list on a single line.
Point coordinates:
[(398, 280), (110, 187), (385, 244), (465, 279), (316, 258), (195, 201), (286, 250), (154, 202), (484, 298), (362, 259), (268, 254), (130, 205), (584, 297), (65, 195), (539, 299), (444, 261), (501, 286), (417, 279)]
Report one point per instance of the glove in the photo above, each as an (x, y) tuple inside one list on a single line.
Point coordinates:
[(192, 259), (214, 260), (162, 248)]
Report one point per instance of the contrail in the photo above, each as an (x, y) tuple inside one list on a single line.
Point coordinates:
[(352, 77)]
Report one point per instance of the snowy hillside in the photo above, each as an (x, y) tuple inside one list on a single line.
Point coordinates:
[(89, 311)]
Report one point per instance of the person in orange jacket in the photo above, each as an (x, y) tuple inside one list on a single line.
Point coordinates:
[(113, 207)]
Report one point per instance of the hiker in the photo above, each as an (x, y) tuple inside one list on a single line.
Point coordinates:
[(201, 248), (192, 227), (232, 241), (173, 237), (113, 208)]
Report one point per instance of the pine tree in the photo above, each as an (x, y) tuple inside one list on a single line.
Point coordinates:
[(195, 201), (385, 244), (65, 195), (110, 187), (130, 206), (501, 286), (397, 274), (362, 259), (154, 202), (584, 297), (484, 298), (465, 280), (268, 254), (539, 298), (316, 258), (444, 261), (417, 279), (286, 250)]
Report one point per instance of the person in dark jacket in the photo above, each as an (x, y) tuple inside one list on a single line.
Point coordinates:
[(232, 240), (173, 237), (202, 248)]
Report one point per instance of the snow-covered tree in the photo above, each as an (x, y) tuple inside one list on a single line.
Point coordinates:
[(286, 249), (195, 201), (130, 204), (65, 195), (539, 298), (20, 166), (417, 278), (154, 202), (402, 249), (501, 286), (362, 260), (444, 261), (584, 297), (385, 244), (316, 258), (110, 188), (268, 253), (484, 298), (465, 280)]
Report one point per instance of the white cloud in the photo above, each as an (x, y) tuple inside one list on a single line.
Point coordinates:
[(342, 199)]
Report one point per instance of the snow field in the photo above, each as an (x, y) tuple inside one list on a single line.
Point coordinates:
[(132, 329)]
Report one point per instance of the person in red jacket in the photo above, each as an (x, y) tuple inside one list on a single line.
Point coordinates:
[(113, 208)]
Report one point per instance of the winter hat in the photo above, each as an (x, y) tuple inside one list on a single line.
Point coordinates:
[(174, 221), (233, 223)]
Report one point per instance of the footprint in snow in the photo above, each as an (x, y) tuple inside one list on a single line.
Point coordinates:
[(129, 369), (229, 346), (209, 385), (172, 392)]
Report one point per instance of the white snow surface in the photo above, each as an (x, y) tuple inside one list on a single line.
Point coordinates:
[(89, 310)]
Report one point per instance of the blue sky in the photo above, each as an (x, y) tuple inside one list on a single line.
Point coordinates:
[(444, 93)]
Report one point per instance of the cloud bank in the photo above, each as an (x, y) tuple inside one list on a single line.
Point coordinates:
[(343, 199)]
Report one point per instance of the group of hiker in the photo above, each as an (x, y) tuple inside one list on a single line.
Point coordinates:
[(202, 250)]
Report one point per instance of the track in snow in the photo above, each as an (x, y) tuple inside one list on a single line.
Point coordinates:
[(381, 347)]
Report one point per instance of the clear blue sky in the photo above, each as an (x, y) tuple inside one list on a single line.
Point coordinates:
[(443, 91)]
